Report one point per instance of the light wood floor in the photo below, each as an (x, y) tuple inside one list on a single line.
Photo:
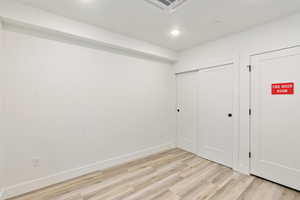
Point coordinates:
[(170, 175)]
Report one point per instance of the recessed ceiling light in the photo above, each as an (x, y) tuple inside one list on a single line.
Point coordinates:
[(175, 32)]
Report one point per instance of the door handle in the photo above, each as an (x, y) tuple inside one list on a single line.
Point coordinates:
[(229, 115)]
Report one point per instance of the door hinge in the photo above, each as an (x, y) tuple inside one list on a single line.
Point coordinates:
[(250, 112), (250, 68), (250, 154)]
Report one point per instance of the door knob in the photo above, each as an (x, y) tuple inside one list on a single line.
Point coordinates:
[(229, 115)]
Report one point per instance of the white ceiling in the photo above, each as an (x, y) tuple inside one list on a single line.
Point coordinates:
[(198, 20)]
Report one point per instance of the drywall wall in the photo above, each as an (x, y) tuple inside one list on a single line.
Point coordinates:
[(70, 110), (272, 36), (16, 13), (1, 116)]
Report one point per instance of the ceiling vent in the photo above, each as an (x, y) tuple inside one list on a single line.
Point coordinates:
[(167, 5)]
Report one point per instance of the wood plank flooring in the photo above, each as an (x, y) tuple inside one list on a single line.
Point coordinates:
[(171, 175)]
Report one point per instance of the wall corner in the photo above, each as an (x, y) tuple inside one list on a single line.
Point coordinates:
[(1, 145)]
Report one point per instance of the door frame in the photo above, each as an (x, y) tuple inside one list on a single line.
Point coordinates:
[(251, 92), (2, 147)]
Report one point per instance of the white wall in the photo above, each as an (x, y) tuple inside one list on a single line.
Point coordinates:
[(276, 35), (1, 117), (73, 107), (79, 109)]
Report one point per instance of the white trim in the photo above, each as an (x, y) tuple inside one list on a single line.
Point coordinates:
[(237, 117), (244, 169), (188, 71), (1, 140), (265, 51), (270, 50), (208, 65), (29, 186), (216, 64)]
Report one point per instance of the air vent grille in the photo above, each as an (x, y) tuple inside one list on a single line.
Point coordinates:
[(167, 5)]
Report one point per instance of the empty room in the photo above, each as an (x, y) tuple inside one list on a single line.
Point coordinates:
[(150, 100)]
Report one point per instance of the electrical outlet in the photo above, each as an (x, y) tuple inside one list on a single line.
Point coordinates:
[(35, 162)]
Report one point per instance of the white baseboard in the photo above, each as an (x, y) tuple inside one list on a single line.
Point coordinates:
[(243, 169), (29, 186)]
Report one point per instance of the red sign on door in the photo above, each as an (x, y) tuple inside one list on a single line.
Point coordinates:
[(283, 88)]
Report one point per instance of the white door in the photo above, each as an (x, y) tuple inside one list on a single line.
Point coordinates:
[(215, 114), (275, 123), (186, 117)]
